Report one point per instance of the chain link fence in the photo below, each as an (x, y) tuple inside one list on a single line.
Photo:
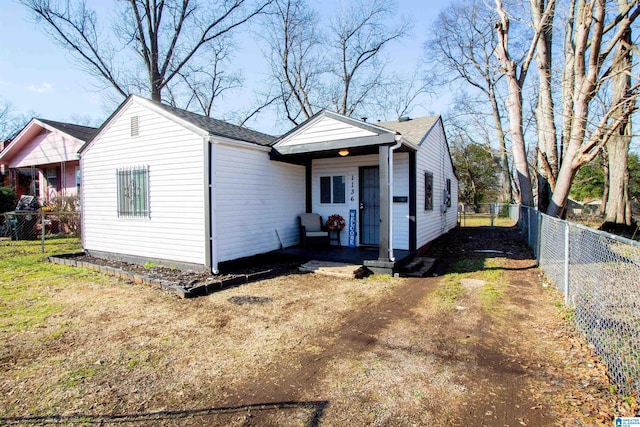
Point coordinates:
[(26, 228), (598, 273), (487, 215)]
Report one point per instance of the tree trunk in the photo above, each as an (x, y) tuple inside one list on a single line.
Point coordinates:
[(547, 170), (514, 104), (568, 82), (506, 188), (605, 191), (617, 208)]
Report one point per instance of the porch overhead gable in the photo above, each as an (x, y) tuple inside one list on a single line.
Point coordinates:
[(327, 131)]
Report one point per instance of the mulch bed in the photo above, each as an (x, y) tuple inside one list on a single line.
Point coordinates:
[(183, 283)]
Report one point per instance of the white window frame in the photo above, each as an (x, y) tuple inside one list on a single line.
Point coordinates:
[(332, 189)]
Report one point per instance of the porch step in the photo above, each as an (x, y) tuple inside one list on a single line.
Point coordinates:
[(419, 267), (334, 269)]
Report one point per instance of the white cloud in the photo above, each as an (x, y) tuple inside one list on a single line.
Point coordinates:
[(41, 88)]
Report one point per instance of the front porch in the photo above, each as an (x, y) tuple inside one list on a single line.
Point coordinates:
[(358, 256), (364, 173)]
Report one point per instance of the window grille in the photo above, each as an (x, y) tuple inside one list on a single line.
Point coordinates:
[(133, 192), (428, 191)]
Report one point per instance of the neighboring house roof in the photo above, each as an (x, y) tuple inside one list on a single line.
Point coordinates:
[(574, 203), (196, 122), (83, 133), (415, 130), (52, 151)]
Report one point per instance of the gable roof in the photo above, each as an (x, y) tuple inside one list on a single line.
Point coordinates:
[(215, 126), (329, 114), (198, 123), (76, 133), (83, 133), (414, 130)]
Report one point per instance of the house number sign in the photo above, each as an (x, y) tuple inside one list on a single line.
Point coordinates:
[(353, 189)]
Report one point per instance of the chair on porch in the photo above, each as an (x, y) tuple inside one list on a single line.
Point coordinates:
[(312, 230)]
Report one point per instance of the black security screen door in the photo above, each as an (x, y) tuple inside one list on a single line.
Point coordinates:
[(370, 205)]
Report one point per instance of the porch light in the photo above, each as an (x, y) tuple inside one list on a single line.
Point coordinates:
[(343, 152)]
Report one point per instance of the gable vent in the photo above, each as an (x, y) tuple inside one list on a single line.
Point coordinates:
[(134, 126)]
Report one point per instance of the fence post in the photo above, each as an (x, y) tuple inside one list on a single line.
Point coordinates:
[(528, 227), (42, 231), (567, 233), (538, 235)]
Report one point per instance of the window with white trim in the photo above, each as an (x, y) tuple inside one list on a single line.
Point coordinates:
[(332, 189), (133, 192)]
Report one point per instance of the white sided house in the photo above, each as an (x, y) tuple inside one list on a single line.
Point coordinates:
[(176, 188), (172, 187), (397, 176)]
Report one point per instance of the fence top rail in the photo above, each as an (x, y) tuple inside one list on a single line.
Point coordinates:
[(592, 230)]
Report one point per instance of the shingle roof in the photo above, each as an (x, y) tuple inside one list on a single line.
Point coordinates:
[(83, 133), (413, 129), (218, 127)]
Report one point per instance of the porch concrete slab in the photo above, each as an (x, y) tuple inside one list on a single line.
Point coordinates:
[(334, 269)]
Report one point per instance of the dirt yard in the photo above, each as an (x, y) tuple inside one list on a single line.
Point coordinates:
[(486, 342)]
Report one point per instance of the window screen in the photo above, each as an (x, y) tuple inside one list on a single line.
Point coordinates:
[(325, 189), (338, 189)]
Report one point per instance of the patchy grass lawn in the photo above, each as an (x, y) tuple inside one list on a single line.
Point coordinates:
[(78, 342), (484, 344)]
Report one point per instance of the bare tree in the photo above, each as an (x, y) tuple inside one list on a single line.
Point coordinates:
[(159, 36), (295, 58), (515, 75), (592, 67), (205, 84), (11, 121), (358, 32), (399, 95), (464, 42)]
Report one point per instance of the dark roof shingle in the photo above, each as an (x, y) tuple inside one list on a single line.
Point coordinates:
[(83, 133), (413, 129), (218, 127)]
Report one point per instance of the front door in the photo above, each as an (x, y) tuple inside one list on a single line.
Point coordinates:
[(370, 205)]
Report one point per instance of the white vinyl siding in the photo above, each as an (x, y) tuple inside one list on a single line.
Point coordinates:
[(349, 168), (433, 157), (327, 129), (175, 230), (257, 202)]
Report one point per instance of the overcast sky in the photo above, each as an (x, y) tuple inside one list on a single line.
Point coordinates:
[(39, 78)]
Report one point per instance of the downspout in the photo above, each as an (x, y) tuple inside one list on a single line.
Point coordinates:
[(209, 200), (392, 148)]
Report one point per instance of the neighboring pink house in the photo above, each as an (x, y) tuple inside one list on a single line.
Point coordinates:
[(42, 159)]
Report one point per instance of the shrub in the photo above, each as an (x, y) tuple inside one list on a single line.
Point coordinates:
[(8, 199), (67, 211)]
